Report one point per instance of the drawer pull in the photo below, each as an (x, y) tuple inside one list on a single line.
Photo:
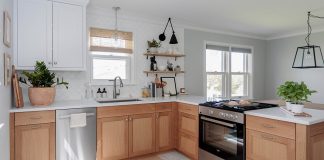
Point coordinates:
[(35, 118), (268, 126), (35, 126)]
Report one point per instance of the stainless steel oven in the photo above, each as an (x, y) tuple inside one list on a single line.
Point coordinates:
[(221, 135)]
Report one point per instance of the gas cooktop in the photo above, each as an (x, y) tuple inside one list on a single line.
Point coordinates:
[(222, 104)]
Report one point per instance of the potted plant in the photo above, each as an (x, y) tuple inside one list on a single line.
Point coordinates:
[(283, 92), (42, 85), (295, 93), (153, 45)]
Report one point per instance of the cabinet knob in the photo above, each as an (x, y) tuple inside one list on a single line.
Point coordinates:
[(55, 63), (126, 119), (50, 63)]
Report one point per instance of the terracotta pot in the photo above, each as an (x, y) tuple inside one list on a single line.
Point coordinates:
[(41, 96)]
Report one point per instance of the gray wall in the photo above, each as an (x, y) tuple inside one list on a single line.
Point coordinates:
[(279, 59), (5, 92), (194, 50)]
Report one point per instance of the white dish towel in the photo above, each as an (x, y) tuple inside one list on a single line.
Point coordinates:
[(78, 120)]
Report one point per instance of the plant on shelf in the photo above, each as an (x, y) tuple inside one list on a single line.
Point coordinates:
[(41, 84), (294, 94), (153, 45)]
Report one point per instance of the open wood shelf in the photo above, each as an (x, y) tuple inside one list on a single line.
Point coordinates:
[(163, 55), (163, 72)]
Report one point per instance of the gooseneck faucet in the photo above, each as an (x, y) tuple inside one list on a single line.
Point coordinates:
[(115, 93)]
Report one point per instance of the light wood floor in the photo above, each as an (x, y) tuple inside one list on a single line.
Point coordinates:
[(171, 155)]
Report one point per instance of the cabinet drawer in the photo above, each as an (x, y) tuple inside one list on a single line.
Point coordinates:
[(188, 124), (188, 145), (163, 107), (34, 117), (187, 108), (275, 127), (125, 110)]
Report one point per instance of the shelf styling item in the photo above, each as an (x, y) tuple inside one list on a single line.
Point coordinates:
[(153, 46), (42, 85), (169, 86), (295, 94)]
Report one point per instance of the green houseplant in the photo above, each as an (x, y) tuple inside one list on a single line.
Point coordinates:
[(42, 85), (153, 45), (294, 94)]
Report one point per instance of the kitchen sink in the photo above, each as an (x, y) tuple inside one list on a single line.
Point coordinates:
[(117, 100)]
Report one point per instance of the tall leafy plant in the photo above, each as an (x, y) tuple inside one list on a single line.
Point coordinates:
[(294, 92), (41, 77)]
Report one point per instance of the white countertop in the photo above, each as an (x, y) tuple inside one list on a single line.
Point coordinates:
[(278, 114), (194, 100)]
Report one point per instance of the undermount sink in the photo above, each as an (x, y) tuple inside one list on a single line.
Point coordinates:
[(118, 100)]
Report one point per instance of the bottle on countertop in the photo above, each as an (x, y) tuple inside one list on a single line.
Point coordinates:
[(99, 93), (104, 93)]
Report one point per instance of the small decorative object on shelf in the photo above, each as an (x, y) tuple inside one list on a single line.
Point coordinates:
[(153, 46), (294, 94), (169, 66), (153, 66), (177, 68), (42, 85)]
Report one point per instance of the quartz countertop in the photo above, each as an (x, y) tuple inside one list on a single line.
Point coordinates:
[(71, 104), (278, 114)]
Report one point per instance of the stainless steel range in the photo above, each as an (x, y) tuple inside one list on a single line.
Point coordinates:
[(222, 130)]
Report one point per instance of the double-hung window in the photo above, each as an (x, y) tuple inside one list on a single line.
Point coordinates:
[(228, 71), (111, 55)]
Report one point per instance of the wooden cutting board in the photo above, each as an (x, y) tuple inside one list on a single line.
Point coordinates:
[(19, 100)]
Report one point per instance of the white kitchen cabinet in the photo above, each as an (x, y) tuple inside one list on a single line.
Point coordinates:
[(68, 36), (34, 28), (50, 31)]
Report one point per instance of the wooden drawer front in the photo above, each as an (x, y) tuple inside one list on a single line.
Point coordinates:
[(125, 110), (188, 124), (263, 146), (188, 145), (279, 128), (26, 118), (163, 107), (188, 108)]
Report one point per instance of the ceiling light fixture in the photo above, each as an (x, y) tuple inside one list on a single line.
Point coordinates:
[(309, 56), (173, 39)]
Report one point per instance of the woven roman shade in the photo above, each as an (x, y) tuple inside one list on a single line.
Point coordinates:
[(103, 40)]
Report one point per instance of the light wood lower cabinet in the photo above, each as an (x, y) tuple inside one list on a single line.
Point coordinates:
[(141, 134), (188, 124), (263, 146), (164, 138), (35, 142), (112, 138)]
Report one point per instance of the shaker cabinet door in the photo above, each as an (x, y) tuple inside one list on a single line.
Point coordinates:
[(68, 36), (34, 32)]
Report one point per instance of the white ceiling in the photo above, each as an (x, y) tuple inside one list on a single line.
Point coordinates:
[(265, 19)]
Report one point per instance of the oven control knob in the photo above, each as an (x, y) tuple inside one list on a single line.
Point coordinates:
[(221, 114), (211, 112), (226, 115)]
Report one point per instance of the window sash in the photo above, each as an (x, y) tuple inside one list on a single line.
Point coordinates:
[(227, 73), (110, 57)]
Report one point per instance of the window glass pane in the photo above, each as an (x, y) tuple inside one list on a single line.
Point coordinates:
[(214, 61), (214, 86), (237, 62), (237, 85), (109, 68)]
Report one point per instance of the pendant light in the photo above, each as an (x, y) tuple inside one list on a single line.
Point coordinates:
[(173, 39), (116, 37), (309, 56)]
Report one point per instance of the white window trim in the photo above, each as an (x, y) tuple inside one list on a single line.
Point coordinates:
[(129, 69), (227, 75)]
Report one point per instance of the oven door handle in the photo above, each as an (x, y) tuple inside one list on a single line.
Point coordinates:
[(218, 122)]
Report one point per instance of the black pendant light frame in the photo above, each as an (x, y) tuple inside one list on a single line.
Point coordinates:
[(309, 49), (173, 39)]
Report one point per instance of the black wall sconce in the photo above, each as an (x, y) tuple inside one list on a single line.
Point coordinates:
[(173, 39), (309, 56)]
